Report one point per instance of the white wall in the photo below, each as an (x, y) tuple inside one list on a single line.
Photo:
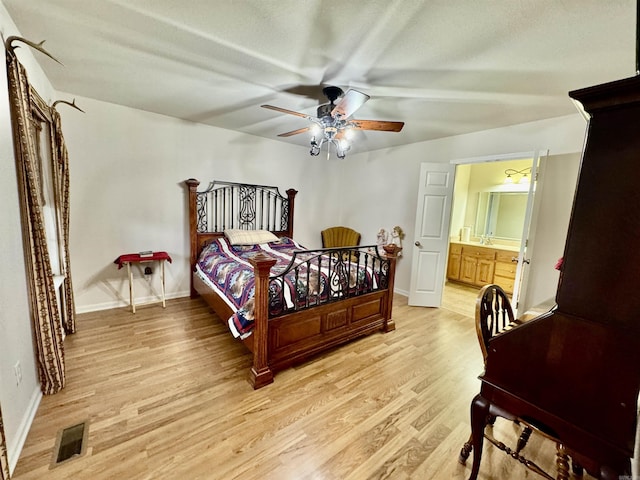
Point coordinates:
[(127, 194), (127, 169), (18, 402), (386, 185)]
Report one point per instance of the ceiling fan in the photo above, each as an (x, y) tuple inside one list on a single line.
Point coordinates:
[(333, 124)]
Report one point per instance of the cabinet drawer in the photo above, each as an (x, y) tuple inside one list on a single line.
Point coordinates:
[(506, 283), (479, 252), (455, 248), (506, 269), (505, 256)]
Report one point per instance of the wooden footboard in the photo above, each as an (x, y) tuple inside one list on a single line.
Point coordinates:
[(295, 337)]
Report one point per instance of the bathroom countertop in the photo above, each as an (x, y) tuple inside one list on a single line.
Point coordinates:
[(495, 246)]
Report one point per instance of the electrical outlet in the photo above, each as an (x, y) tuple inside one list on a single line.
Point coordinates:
[(17, 368)]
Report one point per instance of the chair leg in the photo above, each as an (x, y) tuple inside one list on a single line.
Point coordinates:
[(466, 451), (562, 463), (468, 446)]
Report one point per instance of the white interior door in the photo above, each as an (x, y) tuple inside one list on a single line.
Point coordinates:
[(431, 242), (523, 258)]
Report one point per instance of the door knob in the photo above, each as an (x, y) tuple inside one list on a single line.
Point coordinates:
[(417, 244), (516, 259)]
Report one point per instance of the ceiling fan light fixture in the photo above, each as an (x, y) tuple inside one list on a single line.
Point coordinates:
[(316, 130), (333, 123), (315, 148), (330, 132)]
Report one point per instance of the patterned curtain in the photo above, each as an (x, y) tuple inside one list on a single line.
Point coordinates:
[(61, 160), (4, 461), (47, 327)]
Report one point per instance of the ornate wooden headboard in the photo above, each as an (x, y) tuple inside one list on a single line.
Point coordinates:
[(226, 205)]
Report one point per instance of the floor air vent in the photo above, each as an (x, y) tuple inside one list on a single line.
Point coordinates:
[(71, 443)]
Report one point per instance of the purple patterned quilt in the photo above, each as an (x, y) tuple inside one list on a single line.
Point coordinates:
[(226, 269)]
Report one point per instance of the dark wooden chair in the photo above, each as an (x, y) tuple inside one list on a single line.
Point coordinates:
[(494, 315)]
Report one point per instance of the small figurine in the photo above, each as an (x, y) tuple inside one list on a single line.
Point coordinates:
[(396, 237), (382, 240)]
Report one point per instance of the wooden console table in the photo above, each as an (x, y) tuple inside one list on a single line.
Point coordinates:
[(129, 258)]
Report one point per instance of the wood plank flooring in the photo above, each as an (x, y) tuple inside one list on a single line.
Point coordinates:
[(460, 298), (166, 395)]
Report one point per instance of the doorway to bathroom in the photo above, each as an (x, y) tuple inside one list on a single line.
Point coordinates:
[(490, 228)]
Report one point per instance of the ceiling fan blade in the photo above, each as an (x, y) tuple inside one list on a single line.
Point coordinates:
[(294, 132), (349, 103), (284, 110), (379, 125)]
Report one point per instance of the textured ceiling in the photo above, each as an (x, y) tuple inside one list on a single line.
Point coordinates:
[(444, 67)]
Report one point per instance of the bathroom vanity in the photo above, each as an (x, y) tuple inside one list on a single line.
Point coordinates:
[(478, 265)]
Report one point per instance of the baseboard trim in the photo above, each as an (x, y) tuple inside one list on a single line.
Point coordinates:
[(14, 450), (120, 303), (401, 292)]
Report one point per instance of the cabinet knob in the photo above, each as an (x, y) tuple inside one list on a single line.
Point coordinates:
[(418, 244)]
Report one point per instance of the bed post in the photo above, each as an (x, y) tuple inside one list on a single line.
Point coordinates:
[(391, 252), (261, 374), (291, 193), (192, 183)]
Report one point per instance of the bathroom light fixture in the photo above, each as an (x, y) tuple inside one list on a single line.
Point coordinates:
[(510, 172)]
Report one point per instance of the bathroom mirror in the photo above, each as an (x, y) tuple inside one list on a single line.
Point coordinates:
[(501, 214)]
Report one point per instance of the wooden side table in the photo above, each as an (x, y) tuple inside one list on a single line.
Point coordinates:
[(129, 258)]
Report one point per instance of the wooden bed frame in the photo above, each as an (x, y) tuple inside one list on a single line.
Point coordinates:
[(280, 341)]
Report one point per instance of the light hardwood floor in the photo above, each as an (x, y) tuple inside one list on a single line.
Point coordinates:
[(166, 394), (460, 298)]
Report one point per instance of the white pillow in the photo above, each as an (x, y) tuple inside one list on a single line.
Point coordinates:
[(249, 237)]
